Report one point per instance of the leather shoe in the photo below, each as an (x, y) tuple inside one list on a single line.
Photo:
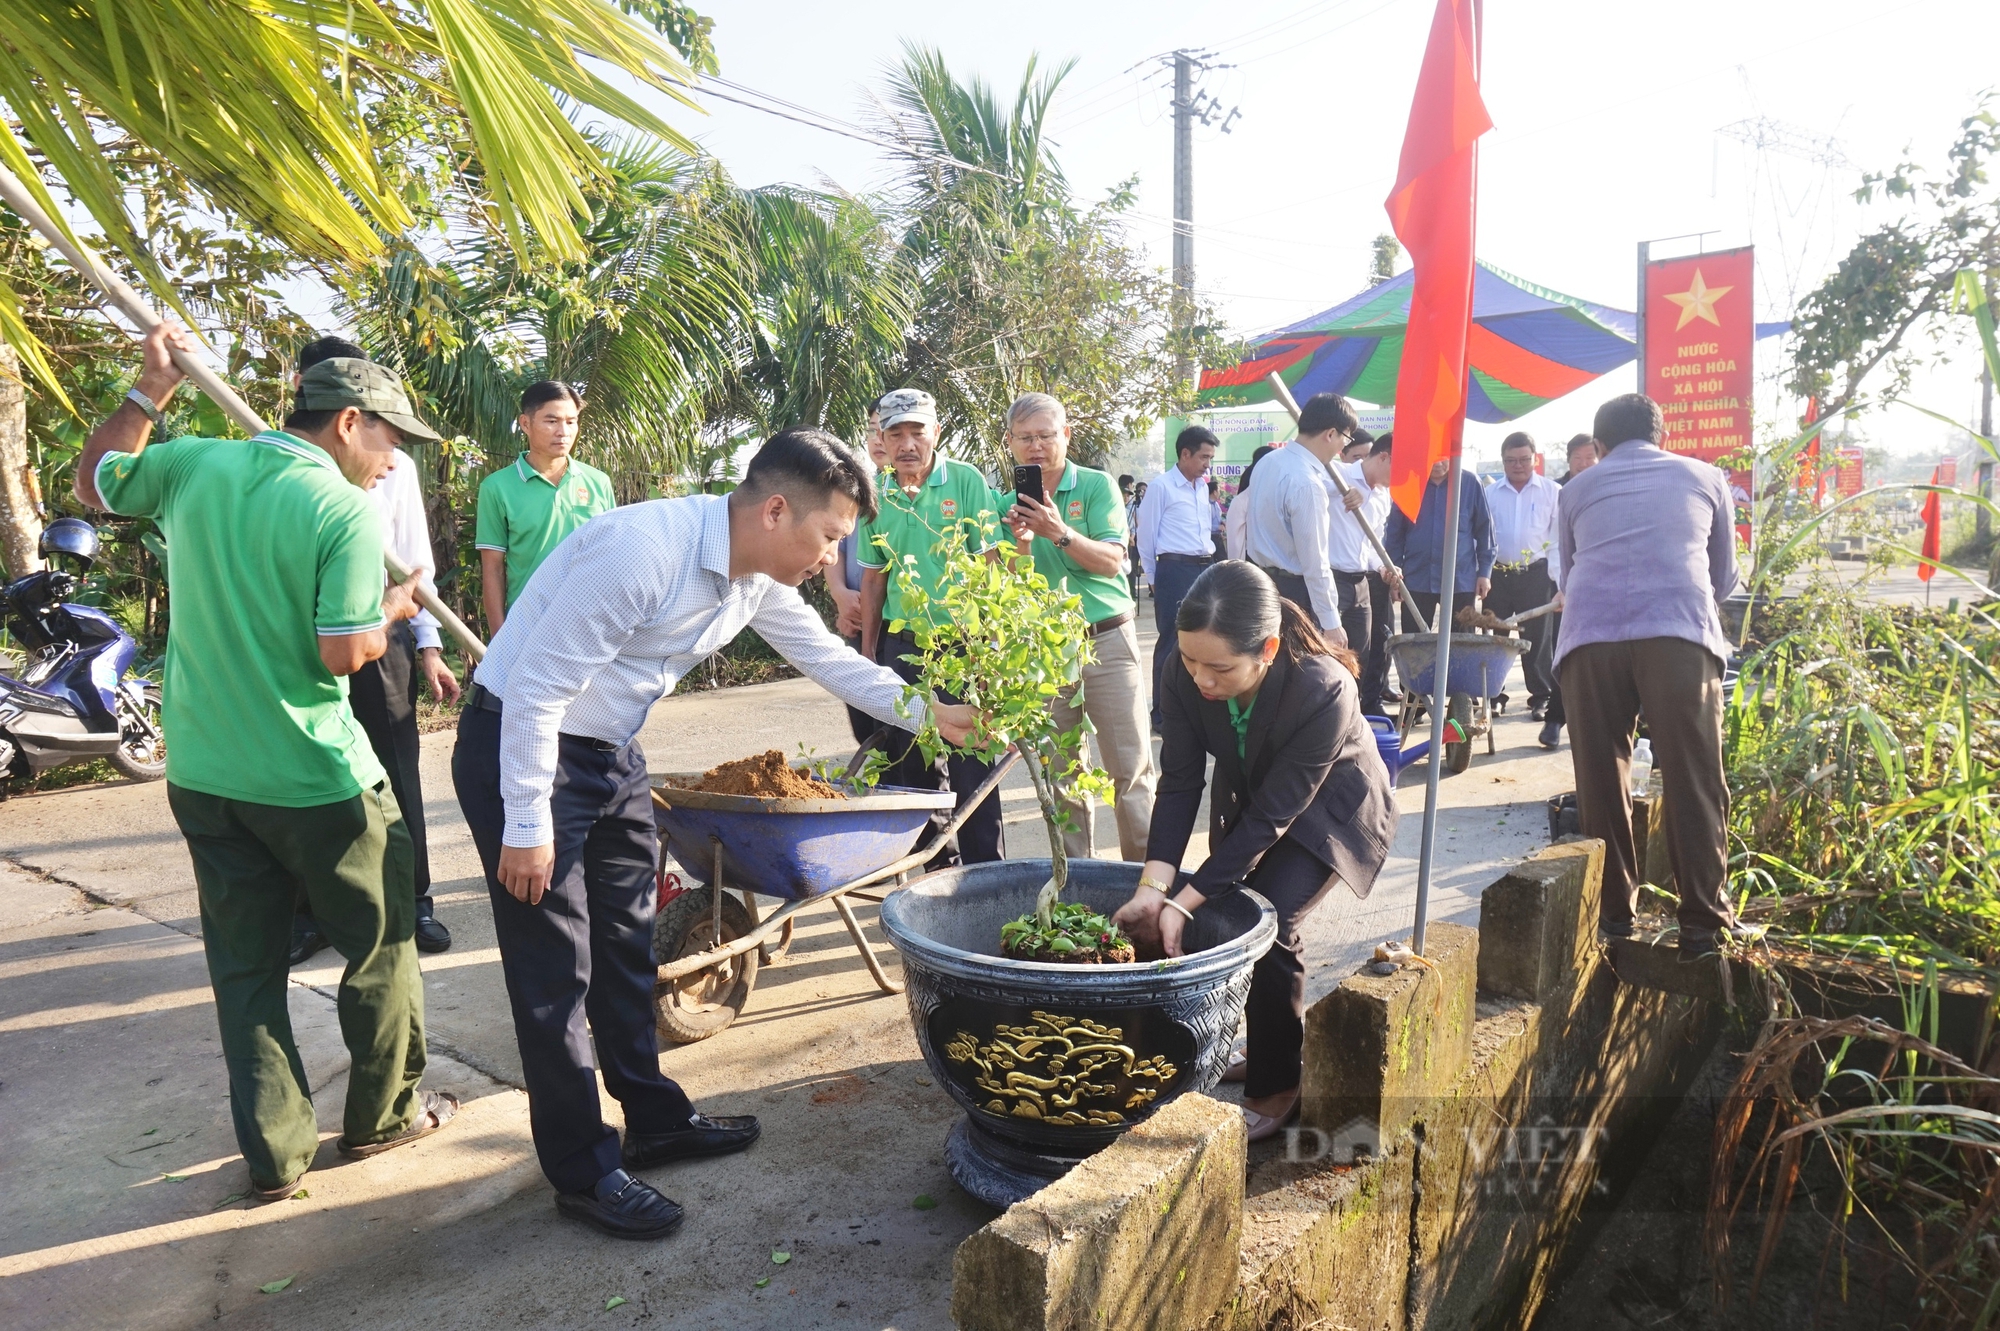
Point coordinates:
[(431, 935), (702, 1136), (306, 939), (1552, 735), (623, 1207)]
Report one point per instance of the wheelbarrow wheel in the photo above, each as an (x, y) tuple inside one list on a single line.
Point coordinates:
[(697, 1006), (1458, 756)]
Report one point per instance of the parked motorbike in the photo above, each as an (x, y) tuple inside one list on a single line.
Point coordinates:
[(74, 701)]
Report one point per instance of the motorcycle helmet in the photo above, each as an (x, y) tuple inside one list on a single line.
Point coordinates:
[(70, 536)]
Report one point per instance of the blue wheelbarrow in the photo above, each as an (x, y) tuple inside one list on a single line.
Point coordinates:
[(1479, 666), (801, 851)]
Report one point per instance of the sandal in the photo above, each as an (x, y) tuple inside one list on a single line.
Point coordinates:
[(434, 1110), (1263, 1126), (279, 1193)]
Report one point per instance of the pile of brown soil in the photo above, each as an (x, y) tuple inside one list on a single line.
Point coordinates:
[(1470, 619), (768, 776), (1081, 957)]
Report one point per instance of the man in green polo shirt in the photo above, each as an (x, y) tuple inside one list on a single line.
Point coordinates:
[(525, 510), (1077, 539), (278, 596), (930, 493)]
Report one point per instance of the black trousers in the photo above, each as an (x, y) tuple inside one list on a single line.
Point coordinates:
[(383, 697), (1172, 576), (1555, 712), (858, 721), (1357, 619), (982, 838), (1294, 882), (1516, 590), (1375, 661), (586, 951)]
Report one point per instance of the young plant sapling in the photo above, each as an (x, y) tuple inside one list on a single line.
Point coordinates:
[(997, 635)]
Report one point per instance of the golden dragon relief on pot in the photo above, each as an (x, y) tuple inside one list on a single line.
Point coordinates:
[(1043, 1070)]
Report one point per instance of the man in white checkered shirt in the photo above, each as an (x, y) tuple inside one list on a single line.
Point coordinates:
[(553, 784)]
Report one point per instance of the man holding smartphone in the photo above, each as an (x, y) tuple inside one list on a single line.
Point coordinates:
[(1070, 521)]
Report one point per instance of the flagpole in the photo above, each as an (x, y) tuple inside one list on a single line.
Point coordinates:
[(1440, 691)]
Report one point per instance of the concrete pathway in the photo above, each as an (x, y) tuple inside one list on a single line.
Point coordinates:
[(119, 1203)]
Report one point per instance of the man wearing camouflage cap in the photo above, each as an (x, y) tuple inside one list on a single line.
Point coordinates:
[(278, 596)]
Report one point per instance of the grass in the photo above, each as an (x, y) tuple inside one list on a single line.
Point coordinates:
[(1862, 743)]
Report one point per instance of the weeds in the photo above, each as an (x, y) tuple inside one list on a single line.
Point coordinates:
[(1862, 743)]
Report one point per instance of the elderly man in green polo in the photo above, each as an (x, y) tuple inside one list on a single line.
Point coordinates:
[(930, 492), (525, 510), (1077, 540), (278, 596)]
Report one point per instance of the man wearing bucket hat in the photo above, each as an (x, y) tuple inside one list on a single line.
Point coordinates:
[(278, 596)]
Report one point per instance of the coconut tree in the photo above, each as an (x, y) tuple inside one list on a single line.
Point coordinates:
[(263, 105), (1021, 286)]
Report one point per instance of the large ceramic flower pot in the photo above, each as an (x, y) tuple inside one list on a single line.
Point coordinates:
[(1050, 1062)]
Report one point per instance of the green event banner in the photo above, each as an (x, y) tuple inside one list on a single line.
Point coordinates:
[(1243, 430)]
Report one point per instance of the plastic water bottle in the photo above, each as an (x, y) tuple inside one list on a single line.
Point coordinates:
[(1642, 765)]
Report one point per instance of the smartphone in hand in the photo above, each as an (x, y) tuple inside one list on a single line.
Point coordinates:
[(1028, 481)]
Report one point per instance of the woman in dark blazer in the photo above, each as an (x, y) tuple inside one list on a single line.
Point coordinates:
[(1301, 799)]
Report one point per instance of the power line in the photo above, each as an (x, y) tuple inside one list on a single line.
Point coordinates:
[(811, 119)]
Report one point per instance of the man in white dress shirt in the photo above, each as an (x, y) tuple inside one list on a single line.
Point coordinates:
[(1523, 507), (1292, 510), (553, 784), (383, 693), (1176, 540)]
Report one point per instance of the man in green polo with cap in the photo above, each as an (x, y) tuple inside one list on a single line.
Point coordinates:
[(923, 494), (278, 596)]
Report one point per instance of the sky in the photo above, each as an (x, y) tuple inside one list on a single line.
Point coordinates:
[(1606, 133)]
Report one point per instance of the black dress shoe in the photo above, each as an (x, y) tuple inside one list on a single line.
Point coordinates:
[(623, 1207), (431, 936), (306, 939), (702, 1136)]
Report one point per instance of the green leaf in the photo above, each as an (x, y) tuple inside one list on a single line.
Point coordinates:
[(149, 1132), (925, 1202), (762, 1282), (173, 1178), (277, 1286), (780, 1258), (615, 1301), (300, 1195), (232, 1197)]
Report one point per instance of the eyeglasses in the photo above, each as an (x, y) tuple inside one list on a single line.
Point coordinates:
[(1040, 437)]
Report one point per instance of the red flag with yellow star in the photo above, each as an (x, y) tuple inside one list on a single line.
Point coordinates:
[(1432, 211)]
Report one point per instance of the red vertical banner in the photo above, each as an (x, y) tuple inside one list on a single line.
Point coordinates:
[(1947, 472), (1933, 530), (1699, 335), (1849, 477)]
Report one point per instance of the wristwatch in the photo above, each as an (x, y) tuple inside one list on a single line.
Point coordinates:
[(144, 403), (1067, 537)]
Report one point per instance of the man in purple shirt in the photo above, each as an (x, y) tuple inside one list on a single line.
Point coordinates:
[(1648, 546)]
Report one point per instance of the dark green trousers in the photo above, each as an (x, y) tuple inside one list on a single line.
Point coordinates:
[(355, 860)]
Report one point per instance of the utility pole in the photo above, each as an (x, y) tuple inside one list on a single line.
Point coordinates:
[(1191, 105), (1184, 180)]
